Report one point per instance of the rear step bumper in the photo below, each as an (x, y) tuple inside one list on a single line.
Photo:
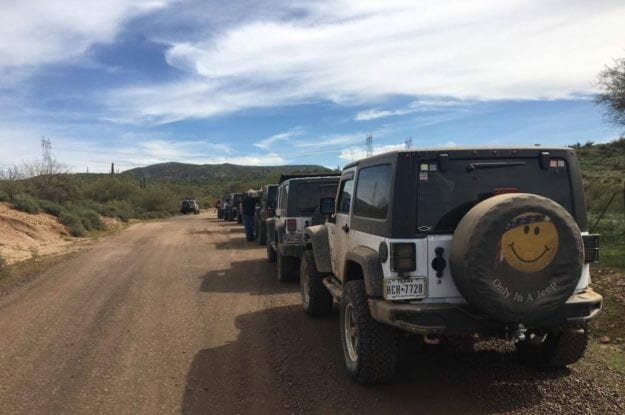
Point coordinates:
[(453, 319)]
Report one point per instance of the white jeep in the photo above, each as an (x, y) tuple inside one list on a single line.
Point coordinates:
[(297, 203), (449, 243)]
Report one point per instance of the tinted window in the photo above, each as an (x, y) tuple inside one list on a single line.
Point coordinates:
[(283, 197), (271, 196), (309, 194), (373, 191), (445, 197), (345, 199)]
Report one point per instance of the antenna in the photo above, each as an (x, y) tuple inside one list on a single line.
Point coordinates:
[(369, 145)]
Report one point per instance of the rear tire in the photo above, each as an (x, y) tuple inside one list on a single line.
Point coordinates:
[(287, 268), (557, 350), (271, 254), (369, 348), (262, 234), (316, 299)]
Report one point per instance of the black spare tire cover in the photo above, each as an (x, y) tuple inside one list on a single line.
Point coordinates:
[(517, 257)]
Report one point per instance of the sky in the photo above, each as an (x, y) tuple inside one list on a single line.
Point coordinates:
[(138, 82)]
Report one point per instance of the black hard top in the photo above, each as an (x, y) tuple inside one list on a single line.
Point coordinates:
[(286, 177), (471, 152)]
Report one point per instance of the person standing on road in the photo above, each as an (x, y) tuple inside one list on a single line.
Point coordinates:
[(248, 207)]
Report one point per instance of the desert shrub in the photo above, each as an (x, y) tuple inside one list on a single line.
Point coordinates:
[(156, 200), (90, 219), (25, 203), (72, 222), (4, 196), (121, 209), (110, 188), (50, 207)]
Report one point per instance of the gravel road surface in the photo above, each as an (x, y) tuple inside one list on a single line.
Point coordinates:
[(184, 315)]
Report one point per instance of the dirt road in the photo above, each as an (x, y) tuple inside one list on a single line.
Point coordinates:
[(186, 316)]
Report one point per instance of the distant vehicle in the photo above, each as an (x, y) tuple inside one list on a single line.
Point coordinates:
[(447, 243), (265, 209), (296, 208), (234, 213), (189, 205)]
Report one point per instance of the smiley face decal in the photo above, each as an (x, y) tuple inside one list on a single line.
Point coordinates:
[(529, 243)]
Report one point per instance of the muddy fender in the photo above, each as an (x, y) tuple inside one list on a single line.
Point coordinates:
[(317, 240), (369, 261)]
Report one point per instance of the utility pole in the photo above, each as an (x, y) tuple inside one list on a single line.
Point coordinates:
[(369, 142), (112, 169)]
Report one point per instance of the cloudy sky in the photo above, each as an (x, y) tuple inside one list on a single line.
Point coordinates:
[(137, 82)]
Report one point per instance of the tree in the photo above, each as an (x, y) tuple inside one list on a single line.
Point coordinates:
[(612, 84)]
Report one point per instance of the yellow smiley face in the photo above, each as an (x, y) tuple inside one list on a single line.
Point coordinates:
[(530, 242)]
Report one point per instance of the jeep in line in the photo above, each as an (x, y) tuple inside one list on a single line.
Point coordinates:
[(450, 244)]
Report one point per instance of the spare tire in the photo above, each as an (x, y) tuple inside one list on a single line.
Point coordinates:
[(517, 257)]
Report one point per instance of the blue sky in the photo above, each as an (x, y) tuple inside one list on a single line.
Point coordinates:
[(137, 82)]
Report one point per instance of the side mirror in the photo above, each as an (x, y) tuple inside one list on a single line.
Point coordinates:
[(327, 206)]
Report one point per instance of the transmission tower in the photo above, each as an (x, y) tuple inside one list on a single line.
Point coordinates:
[(369, 145), (408, 143)]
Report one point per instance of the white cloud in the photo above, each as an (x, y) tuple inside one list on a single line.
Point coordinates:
[(357, 153), (359, 51), (36, 32), (284, 136)]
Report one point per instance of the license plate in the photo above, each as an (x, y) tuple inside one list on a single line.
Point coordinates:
[(405, 288)]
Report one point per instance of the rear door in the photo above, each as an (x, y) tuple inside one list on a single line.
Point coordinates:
[(339, 231)]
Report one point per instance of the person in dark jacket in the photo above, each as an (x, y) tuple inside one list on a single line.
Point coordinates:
[(248, 207)]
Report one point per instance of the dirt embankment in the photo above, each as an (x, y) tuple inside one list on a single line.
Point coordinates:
[(24, 236)]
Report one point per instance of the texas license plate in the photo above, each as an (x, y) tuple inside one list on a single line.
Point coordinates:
[(405, 288)]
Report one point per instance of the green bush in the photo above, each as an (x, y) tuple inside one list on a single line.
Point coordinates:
[(25, 203), (120, 209), (4, 196), (50, 207), (72, 222), (90, 220)]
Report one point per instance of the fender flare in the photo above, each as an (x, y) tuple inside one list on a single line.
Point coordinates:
[(369, 261), (317, 239), (271, 226)]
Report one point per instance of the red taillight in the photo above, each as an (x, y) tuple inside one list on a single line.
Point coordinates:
[(504, 190), (291, 225), (403, 257)]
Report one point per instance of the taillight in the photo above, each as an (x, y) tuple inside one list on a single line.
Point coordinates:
[(403, 257), (291, 225), (591, 247)]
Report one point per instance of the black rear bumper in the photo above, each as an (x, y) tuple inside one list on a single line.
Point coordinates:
[(458, 319)]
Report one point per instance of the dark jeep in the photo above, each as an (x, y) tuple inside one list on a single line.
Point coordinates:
[(449, 243), (297, 204), (189, 205), (265, 210)]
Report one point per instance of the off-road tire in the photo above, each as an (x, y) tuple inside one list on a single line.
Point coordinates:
[(316, 299), (262, 234), (287, 266), (271, 253), (377, 348), (559, 349)]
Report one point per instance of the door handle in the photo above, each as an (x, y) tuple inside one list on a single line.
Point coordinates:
[(345, 228)]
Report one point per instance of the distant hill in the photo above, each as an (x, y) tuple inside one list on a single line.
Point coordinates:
[(196, 174)]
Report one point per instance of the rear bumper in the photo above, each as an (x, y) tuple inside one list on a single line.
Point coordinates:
[(295, 250), (452, 319)]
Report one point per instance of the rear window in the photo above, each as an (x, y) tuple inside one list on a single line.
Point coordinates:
[(308, 196), (373, 191), (445, 197), (271, 196)]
